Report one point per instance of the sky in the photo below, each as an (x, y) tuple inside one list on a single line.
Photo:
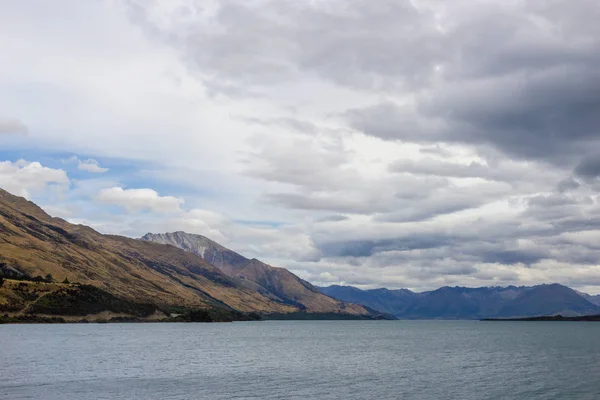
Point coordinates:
[(400, 144)]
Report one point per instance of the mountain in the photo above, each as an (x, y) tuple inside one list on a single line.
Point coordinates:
[(594, 299), (546, 300), (32, 243), (384, 300), (280, 282), (162, 275), (470, 303)]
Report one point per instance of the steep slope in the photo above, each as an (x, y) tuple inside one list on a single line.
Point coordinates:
[(210, 251), (280, 282), (471, 303), (33, 243)]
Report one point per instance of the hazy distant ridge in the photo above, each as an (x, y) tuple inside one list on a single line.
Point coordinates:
[(472, 303)]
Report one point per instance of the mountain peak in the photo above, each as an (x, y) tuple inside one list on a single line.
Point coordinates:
[(287, 287)]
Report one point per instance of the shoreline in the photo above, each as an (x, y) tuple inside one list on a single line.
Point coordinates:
[(555, 318)]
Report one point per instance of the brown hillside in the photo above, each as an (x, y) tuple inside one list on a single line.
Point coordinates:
[(280, 282), (34, 243)]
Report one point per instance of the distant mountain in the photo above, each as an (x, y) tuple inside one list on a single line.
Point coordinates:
[(50, 266), (470, 303), (393, 302), (279, 282), (35, 245), (594, 299)]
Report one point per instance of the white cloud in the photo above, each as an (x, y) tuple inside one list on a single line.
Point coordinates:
[(25, 178), (135, 200), (89, 165)]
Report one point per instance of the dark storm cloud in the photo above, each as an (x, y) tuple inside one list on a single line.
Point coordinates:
[(589, 167), (552, 116), (537, 115), (524, 81)]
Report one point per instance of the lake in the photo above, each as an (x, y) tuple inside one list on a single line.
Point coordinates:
[(302, 360)]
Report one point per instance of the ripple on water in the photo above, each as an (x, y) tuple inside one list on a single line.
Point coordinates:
[(301, 360)]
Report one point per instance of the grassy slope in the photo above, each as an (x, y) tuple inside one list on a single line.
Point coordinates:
[(23, 301), (37, 244)]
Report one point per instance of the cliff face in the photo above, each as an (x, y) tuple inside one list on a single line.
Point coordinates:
[(279, 282)]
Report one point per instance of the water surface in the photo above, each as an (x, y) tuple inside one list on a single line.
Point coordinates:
[(302, 360)]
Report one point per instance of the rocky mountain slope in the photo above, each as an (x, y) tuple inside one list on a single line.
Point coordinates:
[(32, 243), (280, 282), (471, 303)]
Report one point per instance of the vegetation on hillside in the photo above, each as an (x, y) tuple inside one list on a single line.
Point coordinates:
[(86, 299), (36, 247)]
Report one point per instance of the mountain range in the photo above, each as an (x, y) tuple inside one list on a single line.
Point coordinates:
[(34, 244), (472, 303), (284, 285), (50, 268)]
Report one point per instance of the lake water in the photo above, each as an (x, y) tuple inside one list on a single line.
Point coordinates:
[(302, 360)]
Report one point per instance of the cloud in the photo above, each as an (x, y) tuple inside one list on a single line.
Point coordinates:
[(89, 165), (12, 126), (24, 178), (294, 39), (403, 143), (479, 75), (509, 78), (333, 218), (589, 167), (135, 200)]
